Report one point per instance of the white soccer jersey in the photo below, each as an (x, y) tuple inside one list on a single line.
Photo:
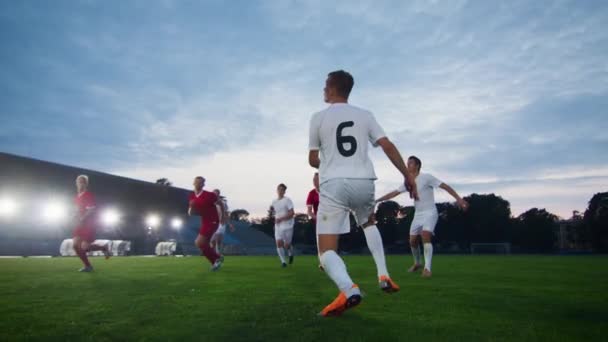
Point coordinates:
[(281, 208), (341, 133), (426, 184)]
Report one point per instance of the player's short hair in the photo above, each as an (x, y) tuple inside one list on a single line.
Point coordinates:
[(417, 160), (217, 191), (282, 186), (200, 177), (342, 81), (85, 177)]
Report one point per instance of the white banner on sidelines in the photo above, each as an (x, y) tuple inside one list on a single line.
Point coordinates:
[(118, 247), (166, 248)]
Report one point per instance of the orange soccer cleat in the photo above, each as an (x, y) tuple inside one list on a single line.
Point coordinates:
[(342, 303), (388, 285)]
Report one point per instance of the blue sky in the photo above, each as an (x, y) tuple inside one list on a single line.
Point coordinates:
[(495, 97)]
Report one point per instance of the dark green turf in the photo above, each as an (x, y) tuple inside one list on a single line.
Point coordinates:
[(490, 298)]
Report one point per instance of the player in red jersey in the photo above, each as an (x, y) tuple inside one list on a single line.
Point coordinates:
[(312, 203), (84, 232), (211, 209)]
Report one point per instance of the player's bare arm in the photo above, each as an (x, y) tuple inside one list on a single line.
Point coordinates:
[(464, 205), (191, 210), (311, 212), (313, 158), (388, 196), (394, 156)]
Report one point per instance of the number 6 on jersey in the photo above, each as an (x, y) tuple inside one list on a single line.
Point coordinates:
[(346, 139)]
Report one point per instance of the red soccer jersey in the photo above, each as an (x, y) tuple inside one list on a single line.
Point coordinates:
[(204, 204), (313, 199), (83, 201)]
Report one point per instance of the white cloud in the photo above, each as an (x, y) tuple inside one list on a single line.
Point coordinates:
[(445, 78)]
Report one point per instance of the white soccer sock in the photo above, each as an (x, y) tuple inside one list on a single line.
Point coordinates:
[(217, 248), (428, 255), (416, 254), (290, 251), (374, 243), (336, 270), (281, 252)]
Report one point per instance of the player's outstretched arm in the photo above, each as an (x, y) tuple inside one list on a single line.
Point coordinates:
[(394, 156), (461, 203), (388, 196)]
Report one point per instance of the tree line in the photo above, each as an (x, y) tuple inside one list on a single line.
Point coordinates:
[(488, 220)]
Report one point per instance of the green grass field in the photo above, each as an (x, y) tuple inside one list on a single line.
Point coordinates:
[(490, 298)]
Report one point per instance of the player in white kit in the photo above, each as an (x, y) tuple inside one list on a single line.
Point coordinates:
[(426, 215), (217, 240), (283, 224), (338, 147)]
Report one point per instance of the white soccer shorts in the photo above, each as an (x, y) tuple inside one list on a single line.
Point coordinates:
[(338, 198), (283, 234), (221, 230), (424, 220)]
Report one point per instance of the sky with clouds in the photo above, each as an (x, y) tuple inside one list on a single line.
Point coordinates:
[(505, 97)]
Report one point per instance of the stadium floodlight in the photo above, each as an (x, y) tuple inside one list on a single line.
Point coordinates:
[(176, 223), (153, 220), (8, 207), (54, 212), (110, 217)]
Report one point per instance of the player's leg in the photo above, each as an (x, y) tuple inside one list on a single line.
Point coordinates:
[(319, 255), (213, 240), (415, 247), (428, 252), (104, 248), (361, 194), (280, 247), (84, 248), (415, 231), (287, 242), (219, 243), (374, 243), (427, 243), (334, 266), (334, 210), (77, 245), (202, 241), (216, 239)]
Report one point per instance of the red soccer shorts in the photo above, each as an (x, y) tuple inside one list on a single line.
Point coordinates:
[(85, 233), (208, 229)]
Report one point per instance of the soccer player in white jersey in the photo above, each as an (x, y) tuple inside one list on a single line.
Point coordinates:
[(217, 240), (283, 224), (425, 216), (338, 147)]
